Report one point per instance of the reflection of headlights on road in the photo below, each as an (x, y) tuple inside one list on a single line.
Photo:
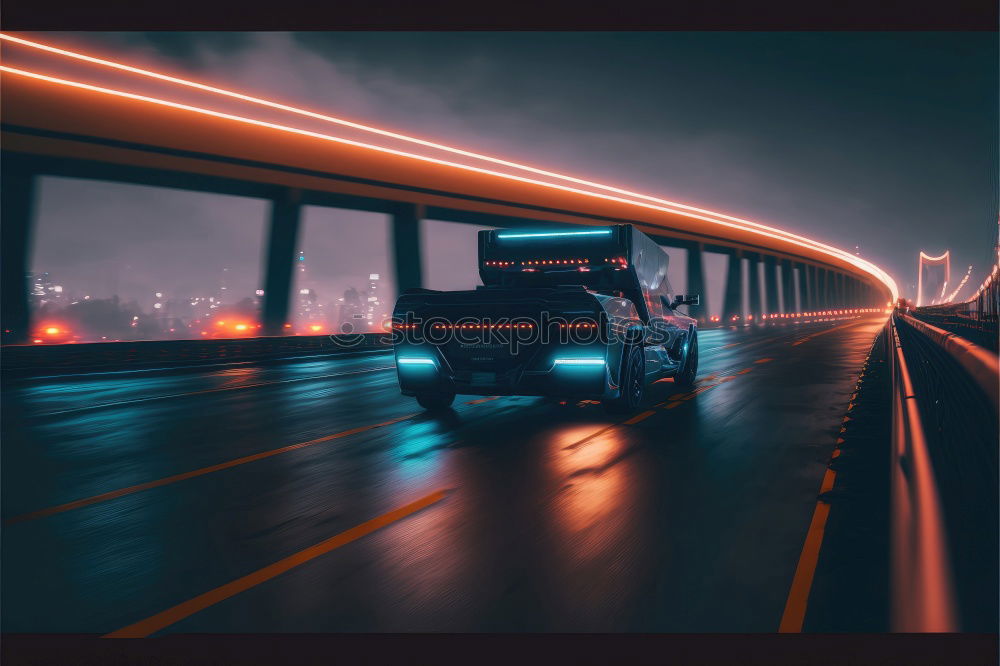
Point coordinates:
[(580, 361), (415, 361)]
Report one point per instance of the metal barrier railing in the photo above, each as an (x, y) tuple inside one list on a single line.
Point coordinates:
[(167, 353), (980, 363), (980, 329), (922, 586)]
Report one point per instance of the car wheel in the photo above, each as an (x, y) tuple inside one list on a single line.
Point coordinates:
[(633, 383), (435, 401), (685, 378)]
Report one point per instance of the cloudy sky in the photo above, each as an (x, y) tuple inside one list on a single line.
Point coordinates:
[(883, 140)]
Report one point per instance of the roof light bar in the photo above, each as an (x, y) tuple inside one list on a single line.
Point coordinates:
[(599, 232), (713, 217)]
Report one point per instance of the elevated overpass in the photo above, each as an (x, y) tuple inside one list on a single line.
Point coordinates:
[(71, 114)]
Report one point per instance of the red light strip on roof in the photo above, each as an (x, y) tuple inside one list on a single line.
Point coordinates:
[(720, 219)]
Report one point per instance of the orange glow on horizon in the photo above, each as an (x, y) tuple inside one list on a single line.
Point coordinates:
[(661, 204)]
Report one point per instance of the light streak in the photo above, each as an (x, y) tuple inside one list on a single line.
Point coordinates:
[(951, 297), (669, 206)]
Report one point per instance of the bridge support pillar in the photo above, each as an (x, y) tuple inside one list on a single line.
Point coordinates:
[(16, 218), (756, 295), (787, 286), (771, 284), (732, 310), (696, 280), (286, 213), (814, 299), (804, 305), (405, 241)]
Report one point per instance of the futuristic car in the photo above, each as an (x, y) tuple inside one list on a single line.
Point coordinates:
[(583, 314)]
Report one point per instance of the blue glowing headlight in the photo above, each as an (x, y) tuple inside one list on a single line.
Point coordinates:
[(580, 361), (415, 361)]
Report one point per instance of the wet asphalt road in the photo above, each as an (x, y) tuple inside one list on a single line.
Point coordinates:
[(686, 517)]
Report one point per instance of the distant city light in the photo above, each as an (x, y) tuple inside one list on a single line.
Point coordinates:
[(303, 291), (259, 292), (57, 289), (157, 305), (159, 294), (373, 276)]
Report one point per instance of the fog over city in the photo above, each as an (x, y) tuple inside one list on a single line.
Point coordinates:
[(884, 144)]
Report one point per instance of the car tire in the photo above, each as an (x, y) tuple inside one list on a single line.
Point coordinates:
[(685, 378), (633, 382), (434, 402)]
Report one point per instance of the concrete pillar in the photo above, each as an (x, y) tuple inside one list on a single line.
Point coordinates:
[(696, 280), (814, 288), (286, 214), (17, 202), (756, 294), (770, 284), (733, 299), (787, 286), (405, 247), (804, 305)]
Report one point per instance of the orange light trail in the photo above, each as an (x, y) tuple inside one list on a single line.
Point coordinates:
[(716, 218)]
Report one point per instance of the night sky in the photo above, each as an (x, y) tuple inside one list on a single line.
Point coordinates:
[(883, 140)]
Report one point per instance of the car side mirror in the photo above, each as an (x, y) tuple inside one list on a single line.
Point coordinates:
[(689, 299)]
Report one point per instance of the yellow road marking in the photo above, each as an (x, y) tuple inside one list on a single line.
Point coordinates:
[(164, 619), (829, 330), (639, 417), (798, 596), (764, 360), (482, 400), (103, 497)]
